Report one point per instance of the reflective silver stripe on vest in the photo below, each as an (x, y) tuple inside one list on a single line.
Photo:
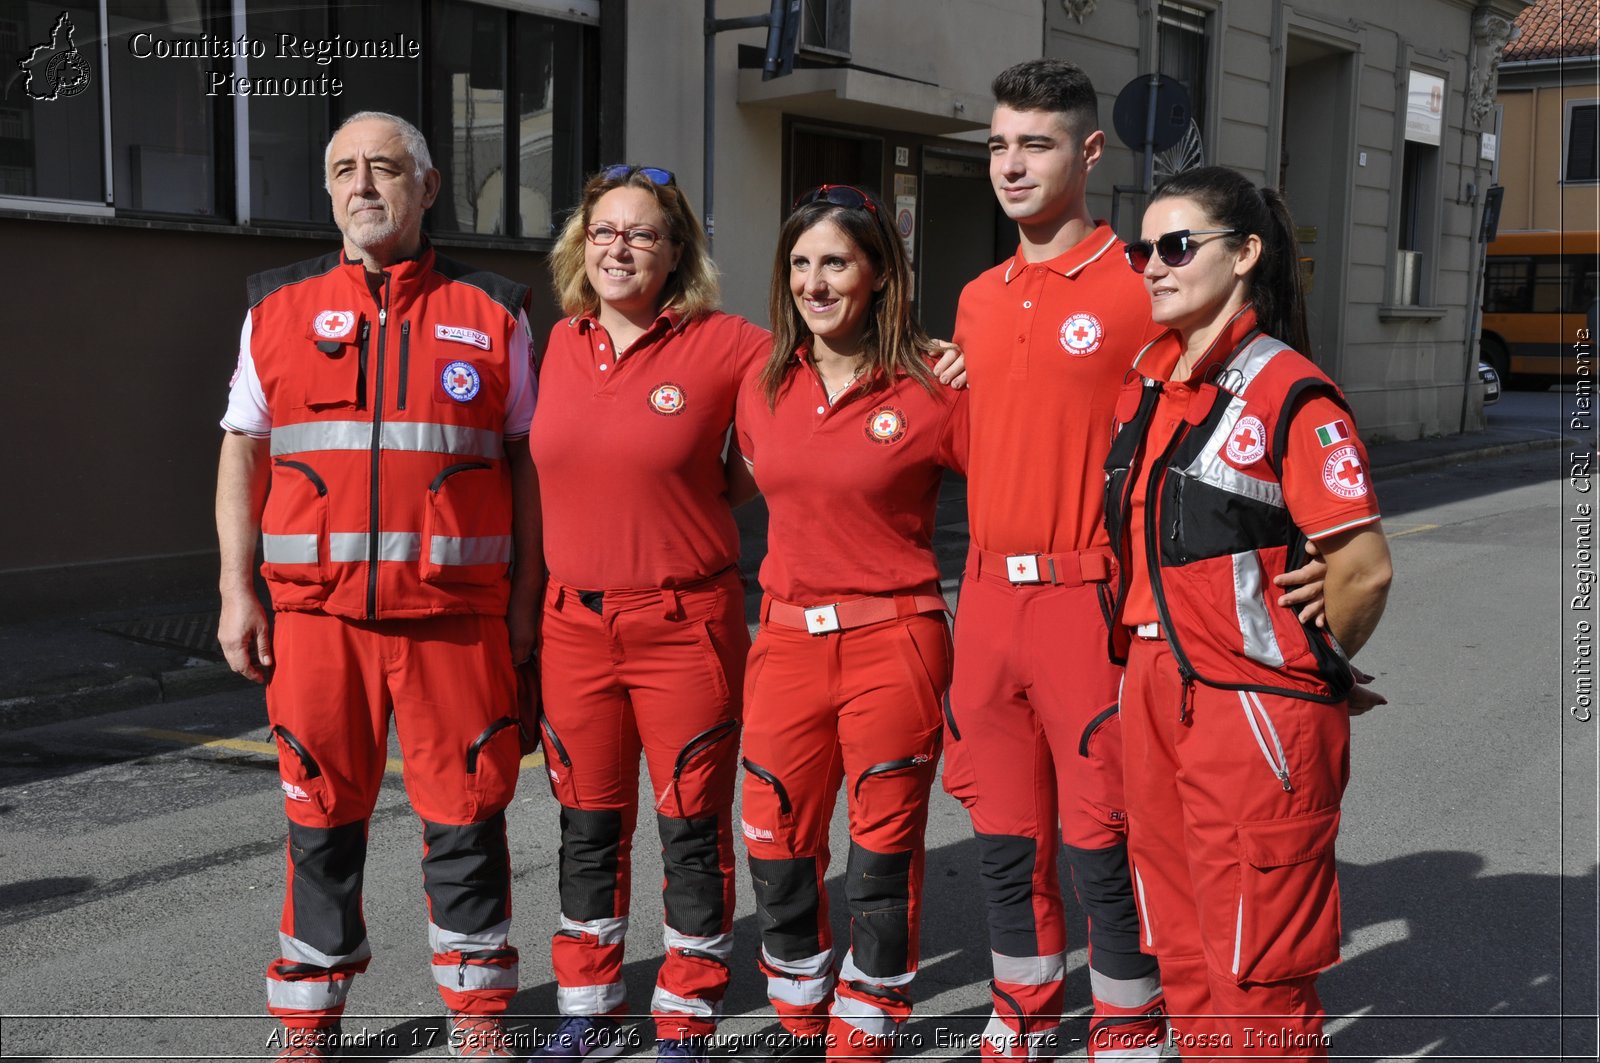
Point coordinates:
[(470, 550), (392, 546), (1209, 466), (289, 549), (1250, 602), (418, 436)]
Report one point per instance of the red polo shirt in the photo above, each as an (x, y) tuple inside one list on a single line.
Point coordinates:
[(1048, 345), (630, 450), (850, 488), (1326, 478)]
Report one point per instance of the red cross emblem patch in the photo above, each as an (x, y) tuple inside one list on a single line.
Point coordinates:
[(1081, 334), (667, 399), (334, 324), (1247, 443), (1343, 473), (886, 424)]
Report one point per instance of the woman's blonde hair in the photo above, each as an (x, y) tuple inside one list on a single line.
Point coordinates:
[(691, 289), (891, 339)]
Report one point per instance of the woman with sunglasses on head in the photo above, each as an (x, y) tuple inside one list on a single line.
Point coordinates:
[(1233, 451), (847, 431), (643, 637)]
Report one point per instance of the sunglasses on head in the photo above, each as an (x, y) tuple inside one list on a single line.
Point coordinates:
[(847, 196), (655, 174), (1174, 248)]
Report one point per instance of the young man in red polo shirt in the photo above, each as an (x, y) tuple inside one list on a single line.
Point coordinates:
[(1049, 335)]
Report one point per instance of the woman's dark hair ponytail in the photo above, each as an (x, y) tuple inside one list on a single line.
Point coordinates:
[(1233, 202)]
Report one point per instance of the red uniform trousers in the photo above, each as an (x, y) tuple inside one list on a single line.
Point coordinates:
[(1233, 806), (1034, 701), (658, 672), (449, 683), (859, 707)]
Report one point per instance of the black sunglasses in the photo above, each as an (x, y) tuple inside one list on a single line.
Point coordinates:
[(1174, 248), (847, 196), (655, 174)]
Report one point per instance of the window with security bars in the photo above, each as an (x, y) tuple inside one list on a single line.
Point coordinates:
[(1583, 142), (1183, 46)]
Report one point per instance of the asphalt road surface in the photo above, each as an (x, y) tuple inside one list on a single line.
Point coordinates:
[(142, 856)]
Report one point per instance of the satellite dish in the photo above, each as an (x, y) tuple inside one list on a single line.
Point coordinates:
[(1131, 113)]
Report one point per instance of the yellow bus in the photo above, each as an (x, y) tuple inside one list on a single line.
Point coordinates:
[(1538, 289)]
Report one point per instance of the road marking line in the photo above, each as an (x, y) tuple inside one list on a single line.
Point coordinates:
[(392, 766), (1413, 531)]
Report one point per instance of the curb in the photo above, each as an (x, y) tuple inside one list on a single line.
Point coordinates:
[(1461, 457), (74, 699)]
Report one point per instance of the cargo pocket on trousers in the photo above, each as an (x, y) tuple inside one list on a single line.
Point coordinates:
[(492, 761), (558, 765), (1287, 921), (766, 812), (304, 787)]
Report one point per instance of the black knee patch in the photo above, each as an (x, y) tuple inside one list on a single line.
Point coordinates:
[(325, 892), (1104, 885), (1005, 864), (877, 887), (466, 871), (588, 871), (787, 905), (693, 897)]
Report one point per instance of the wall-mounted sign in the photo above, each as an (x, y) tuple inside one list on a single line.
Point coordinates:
[(1425, 108)]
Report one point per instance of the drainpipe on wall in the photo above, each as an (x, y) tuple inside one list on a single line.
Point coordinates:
[(1490, 34)]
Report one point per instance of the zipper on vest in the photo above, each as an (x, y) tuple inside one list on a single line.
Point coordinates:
[(377, 456), (405, 358), (361, 367), (1152, 535)]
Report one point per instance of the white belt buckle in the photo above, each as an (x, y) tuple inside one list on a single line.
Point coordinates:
[(822, 619), (1151, 630), (1022, 568)]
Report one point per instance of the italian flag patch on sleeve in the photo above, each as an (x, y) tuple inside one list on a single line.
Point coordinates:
[(1332, 432)]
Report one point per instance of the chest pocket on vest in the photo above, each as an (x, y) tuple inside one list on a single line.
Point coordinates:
[(331, 376)]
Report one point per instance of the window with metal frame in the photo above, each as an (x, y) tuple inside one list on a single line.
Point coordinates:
[(1581, 144)]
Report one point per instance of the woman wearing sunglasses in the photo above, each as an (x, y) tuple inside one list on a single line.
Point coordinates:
[(847, 432), (643, 637), (1234, 450)]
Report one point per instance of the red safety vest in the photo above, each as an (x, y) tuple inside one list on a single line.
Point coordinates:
[(390, 495), (1216, 535)]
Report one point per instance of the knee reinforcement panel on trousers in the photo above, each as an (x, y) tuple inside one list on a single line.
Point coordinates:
[(787, 904), (466, 872), (1006, 864), (325, 892), (878, 889), (693, 897), (1105, 889), (588, 875)]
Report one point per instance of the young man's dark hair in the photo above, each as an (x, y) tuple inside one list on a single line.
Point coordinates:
[(1049, 85)]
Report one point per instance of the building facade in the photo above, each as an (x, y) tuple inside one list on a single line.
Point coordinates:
[(155, 152)]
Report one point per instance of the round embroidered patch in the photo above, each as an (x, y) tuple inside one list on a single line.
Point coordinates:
[(886, 424), (460, 381), (667, 399), (1081, 334), (1248, 443), (1343, 473), (334, 324)]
